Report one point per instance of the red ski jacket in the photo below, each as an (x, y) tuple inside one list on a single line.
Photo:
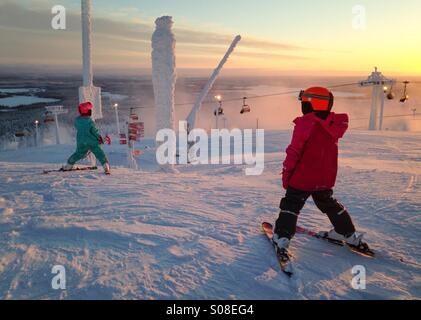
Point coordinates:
[(312, 158)]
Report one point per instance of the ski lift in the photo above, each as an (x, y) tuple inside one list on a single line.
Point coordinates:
[(246, 108), (405, 96), (220, 111), (390, 95), (48, 117)]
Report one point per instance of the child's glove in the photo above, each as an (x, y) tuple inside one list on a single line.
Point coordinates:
[(286, 175), (101, 140)]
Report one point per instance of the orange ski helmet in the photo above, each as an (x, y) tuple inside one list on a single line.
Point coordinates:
[(321, 99)]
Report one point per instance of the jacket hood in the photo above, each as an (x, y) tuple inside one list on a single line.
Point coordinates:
[(335, 124), (82, 119)]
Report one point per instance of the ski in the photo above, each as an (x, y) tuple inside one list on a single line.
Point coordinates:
[(283, 259), (73, 170), (365, 250)]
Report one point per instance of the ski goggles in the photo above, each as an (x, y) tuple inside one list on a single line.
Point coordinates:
[(304, 94)]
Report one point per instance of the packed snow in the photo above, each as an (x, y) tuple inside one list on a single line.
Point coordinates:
[(196, 234)]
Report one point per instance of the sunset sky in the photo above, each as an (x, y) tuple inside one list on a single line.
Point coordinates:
[(294, 37)]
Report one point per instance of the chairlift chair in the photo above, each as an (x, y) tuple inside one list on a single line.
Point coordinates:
[(390, 95), (246, 108), (405, 96), (48, 117), (220, 112)]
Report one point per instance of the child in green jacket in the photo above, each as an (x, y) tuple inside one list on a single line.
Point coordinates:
[(88, 139)]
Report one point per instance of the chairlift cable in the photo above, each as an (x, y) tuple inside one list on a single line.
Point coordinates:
[(269, 95), (390, 116), (263, 96)]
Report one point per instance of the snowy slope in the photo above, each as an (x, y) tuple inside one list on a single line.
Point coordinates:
[(154, 235)]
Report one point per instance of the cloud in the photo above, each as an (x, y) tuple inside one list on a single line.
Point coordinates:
[(28, 38)]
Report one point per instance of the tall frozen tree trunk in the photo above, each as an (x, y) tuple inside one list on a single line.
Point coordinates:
[(88, 77), (89, 92), (164, 74)]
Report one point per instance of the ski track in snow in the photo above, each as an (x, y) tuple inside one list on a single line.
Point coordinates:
[(195, 234)]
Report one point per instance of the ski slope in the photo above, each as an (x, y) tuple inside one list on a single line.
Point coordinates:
[(195, 234)]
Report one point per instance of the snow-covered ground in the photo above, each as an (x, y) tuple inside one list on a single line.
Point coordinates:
[(196, 234), (15, 101), (23, 100)]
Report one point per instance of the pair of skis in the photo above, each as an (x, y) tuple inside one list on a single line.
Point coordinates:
[(284, 258), (94, 168)]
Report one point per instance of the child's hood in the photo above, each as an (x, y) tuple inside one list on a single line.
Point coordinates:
[(83, 121), (335, 124)]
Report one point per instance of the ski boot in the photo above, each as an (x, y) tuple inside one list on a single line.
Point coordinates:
[(282, 245), (67, 167), (107, 169), (284, 259), (354, 242)]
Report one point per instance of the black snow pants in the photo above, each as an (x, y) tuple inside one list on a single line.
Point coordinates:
[(294, 202)]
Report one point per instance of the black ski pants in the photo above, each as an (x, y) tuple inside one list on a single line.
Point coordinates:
[(293, 203)]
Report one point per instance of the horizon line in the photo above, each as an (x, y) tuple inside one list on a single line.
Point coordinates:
[(46, 69)]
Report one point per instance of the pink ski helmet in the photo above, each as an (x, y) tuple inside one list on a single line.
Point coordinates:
[(85, 108)]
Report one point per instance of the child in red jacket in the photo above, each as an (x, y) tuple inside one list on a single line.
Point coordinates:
[(310, 169)]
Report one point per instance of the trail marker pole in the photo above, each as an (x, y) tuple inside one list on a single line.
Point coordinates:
[(36, 132), (117, 118)]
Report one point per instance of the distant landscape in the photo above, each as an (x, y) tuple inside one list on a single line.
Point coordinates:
[(23, 99)]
